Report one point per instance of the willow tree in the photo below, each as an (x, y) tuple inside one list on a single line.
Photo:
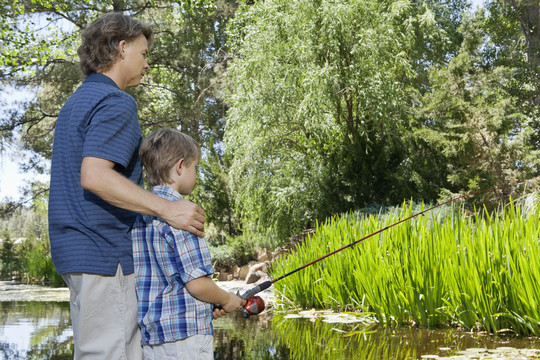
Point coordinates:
[(318, 106)]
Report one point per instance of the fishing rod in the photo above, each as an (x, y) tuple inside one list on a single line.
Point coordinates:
[(255, 304)]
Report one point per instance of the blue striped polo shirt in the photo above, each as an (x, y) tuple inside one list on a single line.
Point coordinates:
[(86, 233)]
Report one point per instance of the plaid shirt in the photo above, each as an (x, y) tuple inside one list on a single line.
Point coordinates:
[(165, 260)]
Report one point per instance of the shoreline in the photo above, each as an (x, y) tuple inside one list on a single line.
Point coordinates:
[(16, 291)]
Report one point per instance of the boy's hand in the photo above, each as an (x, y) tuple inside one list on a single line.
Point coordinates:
[(234, 303), (218, 312)]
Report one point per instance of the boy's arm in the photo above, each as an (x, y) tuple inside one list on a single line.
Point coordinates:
[(205, 289), (99, 177)]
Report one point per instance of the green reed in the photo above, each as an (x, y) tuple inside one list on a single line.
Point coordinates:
[(443, 268)]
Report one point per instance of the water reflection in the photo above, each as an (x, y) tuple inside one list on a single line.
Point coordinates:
[(42, 330), (35, 330), (238, 338), (301, 339)]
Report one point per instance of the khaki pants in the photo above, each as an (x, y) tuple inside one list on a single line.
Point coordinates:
[(104, 316), (196, 347)]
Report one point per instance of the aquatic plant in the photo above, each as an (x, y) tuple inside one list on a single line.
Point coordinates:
[(477, 270)]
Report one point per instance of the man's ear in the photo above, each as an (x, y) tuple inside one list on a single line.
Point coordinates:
[(179, 166), (122, 45)]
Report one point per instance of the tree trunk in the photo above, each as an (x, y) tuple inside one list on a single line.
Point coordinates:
[(531, 17), (528, 13)]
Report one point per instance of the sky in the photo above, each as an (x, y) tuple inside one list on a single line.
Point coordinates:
[(477, 3), (11, 178)]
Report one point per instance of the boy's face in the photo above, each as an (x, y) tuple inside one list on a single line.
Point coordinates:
[(188, 177)]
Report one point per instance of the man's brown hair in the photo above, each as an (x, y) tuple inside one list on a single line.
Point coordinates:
[(99, 45), (161, 149)]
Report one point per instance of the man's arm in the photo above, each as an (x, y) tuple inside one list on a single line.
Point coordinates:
[(205, 289), (99, 177)]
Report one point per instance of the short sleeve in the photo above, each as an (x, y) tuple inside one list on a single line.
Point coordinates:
[(193, 256), (113, 131)]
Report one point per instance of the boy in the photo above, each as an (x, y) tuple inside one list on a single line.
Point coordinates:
[(174, 291)]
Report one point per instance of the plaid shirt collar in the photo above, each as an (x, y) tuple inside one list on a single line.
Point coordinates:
[(166, 192)]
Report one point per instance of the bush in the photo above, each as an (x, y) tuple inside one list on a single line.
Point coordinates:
[(39, 266), (235, 251)]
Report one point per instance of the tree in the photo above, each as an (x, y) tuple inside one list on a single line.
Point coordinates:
[(8, 258), (318, 98), (181, 91), (514, 30), (470, 130), (527, 13)]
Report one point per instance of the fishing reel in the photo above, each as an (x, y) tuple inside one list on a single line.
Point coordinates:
[(254, 306)]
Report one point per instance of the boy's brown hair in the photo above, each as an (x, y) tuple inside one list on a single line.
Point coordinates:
[(99, 43), (161, 149)]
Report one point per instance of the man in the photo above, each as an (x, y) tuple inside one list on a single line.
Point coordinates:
[(95, 191)]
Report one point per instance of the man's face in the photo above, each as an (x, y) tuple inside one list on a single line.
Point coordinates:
[(134, 60)]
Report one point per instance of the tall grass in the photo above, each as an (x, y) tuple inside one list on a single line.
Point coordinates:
[(443, 268)]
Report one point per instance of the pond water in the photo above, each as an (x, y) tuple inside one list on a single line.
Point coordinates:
[(35, 330), (42, 330)]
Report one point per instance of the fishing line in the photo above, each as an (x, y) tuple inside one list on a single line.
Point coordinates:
[(255, 302)]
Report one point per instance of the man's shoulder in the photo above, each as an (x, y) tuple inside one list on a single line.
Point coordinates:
[(100, 91), (94, 95)]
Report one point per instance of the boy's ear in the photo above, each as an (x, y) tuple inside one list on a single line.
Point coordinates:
[(179, 166)]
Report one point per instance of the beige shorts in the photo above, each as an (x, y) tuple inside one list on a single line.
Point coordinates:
[(196, 347), (104, 316)]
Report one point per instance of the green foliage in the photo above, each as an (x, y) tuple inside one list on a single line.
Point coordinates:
[(438, 269), (470, 131), (213, 193), (37, 264), (285, 87), (514, 41), (234, 251), (28, 258), (8, 257), (321, 95)]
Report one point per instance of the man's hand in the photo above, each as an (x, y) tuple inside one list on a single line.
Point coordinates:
[(185, 215)]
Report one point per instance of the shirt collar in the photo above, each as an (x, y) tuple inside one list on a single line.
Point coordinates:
[(166, 192), (98, 77)]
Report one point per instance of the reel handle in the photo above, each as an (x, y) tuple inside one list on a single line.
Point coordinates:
[(257, 289), (254, 304)]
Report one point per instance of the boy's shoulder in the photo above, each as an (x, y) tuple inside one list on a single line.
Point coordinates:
[(158, 226), (145, 221)]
